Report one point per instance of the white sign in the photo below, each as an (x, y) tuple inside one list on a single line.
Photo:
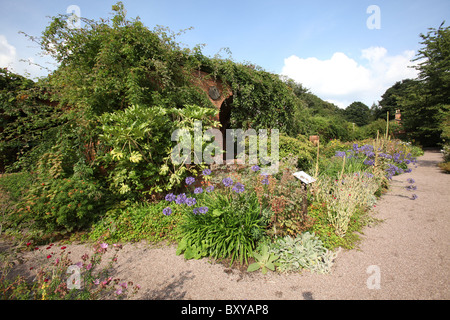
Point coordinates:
[(304, 177)]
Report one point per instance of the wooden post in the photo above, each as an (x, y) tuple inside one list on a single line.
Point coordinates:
[(304, 200)]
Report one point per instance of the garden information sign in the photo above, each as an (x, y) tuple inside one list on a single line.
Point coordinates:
[(305, 178)]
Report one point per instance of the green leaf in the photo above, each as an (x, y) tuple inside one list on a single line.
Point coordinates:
[(189, 254), (217, 213), (270, 265), (253, 267)]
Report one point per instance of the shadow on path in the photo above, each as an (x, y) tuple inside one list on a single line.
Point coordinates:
[(172, 290)]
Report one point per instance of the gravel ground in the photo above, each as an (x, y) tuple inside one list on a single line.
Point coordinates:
[(404, 257)]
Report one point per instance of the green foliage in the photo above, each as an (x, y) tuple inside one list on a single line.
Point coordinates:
[(261, 100), (305, 251), (111, 64), (16, 185), (358, 113), (61, 204), (26, 118), (426, 100), (230, 229), (131, 222), (299, 147), (139, 140), (264, 260), (345, 196)]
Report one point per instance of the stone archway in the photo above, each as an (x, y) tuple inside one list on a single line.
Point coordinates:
[(220, 96)]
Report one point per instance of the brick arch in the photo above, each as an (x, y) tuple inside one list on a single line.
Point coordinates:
[(220, 96)]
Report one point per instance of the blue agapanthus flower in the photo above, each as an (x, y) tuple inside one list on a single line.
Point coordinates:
[(181, 199), (167, 211), (227, 182), (198, 190), (170, 197), (190, 201), (206, 172), (340, 154), (190, 180), (238, 187), (203, 210)]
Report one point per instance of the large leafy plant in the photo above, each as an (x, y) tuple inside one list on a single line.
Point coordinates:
[(137, 144), (229, 228)]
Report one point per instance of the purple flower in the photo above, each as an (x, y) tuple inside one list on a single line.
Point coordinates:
[(414, 197), (265, 180), (198, 190), (170, 197), (227, 182), (210, 188), (255, 168), (190, 180), (119, 291), (239, 187), (167, 211), (340, 154), (206, 172), (181, 198), (191, 201), (203, 210), (411, 180), (195, 210)]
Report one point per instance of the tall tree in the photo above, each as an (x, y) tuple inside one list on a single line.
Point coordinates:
[(427, 100), (390, 99), (358, 113)]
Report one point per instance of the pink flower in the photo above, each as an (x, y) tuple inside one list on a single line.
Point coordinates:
[(119, 291), (104, 245), (89, 266)]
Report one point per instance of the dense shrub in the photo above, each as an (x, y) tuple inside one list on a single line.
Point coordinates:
[(62, 204)]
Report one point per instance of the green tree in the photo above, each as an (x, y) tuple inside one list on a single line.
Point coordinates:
[(357, 113), (390, 99), (427, 100)]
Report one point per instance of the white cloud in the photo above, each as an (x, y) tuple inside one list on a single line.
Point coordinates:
[(7, 53), (342, 80), (10, 59)]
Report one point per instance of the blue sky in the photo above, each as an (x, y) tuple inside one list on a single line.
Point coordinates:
[(325, 45)]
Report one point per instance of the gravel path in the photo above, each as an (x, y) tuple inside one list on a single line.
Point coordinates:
[(404, 257)]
